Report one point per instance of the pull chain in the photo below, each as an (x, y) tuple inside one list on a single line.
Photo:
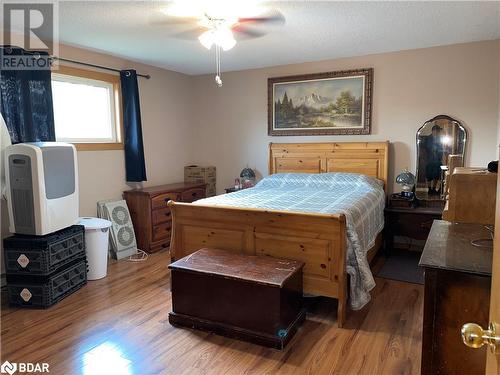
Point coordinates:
[(218, 78)]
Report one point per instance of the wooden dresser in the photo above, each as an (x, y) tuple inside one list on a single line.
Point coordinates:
[(151, 216), (457, 291)]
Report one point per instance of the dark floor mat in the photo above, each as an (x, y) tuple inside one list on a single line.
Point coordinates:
[(402, 265)]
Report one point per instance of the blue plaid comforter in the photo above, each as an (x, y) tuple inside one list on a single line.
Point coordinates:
[(360, 198)]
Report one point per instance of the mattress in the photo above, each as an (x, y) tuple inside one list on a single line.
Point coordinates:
[(360, 198)]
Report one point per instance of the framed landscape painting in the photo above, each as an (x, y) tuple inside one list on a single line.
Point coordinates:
[(334, 103)]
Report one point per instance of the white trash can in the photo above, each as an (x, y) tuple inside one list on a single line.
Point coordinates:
[(96, 244)]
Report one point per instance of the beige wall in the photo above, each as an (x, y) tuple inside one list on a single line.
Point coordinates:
[(410, 87), (166, 124)]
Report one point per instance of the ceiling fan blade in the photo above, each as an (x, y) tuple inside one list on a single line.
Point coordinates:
[(273, 17), (247, 33)]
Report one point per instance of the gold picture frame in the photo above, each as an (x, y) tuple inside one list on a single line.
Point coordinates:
[(333, 103)]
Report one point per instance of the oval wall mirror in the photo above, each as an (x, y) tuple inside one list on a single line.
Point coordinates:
[(439, 141)]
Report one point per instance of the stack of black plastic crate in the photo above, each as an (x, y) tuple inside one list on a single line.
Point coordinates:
[(42, 270)]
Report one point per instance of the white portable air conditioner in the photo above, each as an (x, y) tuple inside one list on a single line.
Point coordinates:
[(42, 187)]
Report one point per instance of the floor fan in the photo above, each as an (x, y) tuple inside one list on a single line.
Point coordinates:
[(123, 242)]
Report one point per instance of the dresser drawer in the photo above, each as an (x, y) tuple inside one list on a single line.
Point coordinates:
[(411, 224), (161, 215), (158, 246), (160, 201), (192, 195), (161, 231)]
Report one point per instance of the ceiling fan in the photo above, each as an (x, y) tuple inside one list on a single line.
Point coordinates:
[(220, 23)]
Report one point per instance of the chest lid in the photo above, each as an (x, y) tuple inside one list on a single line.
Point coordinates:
[(252, 268)]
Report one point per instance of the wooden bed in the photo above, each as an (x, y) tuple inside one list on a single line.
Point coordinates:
[(319, 240)]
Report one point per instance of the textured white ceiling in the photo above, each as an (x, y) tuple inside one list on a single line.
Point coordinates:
[(313, 31)]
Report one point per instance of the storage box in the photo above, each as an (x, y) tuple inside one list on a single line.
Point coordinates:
[(45, 291), (210, 190), (198, 174), (253, 298), (42, 255)]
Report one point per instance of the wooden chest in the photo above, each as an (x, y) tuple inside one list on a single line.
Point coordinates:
[(253, 298), (151, 216)]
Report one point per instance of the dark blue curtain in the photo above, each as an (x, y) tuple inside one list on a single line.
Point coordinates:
[(26, 101), (135, 165)]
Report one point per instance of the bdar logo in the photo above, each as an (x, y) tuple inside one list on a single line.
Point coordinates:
[(8, 368)]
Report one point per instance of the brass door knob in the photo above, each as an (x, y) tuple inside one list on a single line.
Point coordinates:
[(474, 336)]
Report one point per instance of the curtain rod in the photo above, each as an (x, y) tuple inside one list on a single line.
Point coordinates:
[(147, 76), (38, 55)]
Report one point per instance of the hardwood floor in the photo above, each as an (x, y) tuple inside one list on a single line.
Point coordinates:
[(118, 325)]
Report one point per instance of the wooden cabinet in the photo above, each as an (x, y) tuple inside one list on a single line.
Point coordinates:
[(152, 218), (403, 219), (457, 291), (471, 196), (454, 161)]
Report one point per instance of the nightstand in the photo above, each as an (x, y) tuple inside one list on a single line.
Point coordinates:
[(403, 219)]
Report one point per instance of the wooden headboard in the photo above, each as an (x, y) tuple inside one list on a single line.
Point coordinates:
[(369, 158)]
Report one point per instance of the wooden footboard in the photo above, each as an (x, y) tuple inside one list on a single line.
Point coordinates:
[(319, 240)]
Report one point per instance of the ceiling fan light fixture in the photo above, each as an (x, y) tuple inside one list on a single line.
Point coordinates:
[(207, 39), (224, 38), (218, 18)]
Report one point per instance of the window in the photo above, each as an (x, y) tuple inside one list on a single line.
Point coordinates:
[(87, 108)]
